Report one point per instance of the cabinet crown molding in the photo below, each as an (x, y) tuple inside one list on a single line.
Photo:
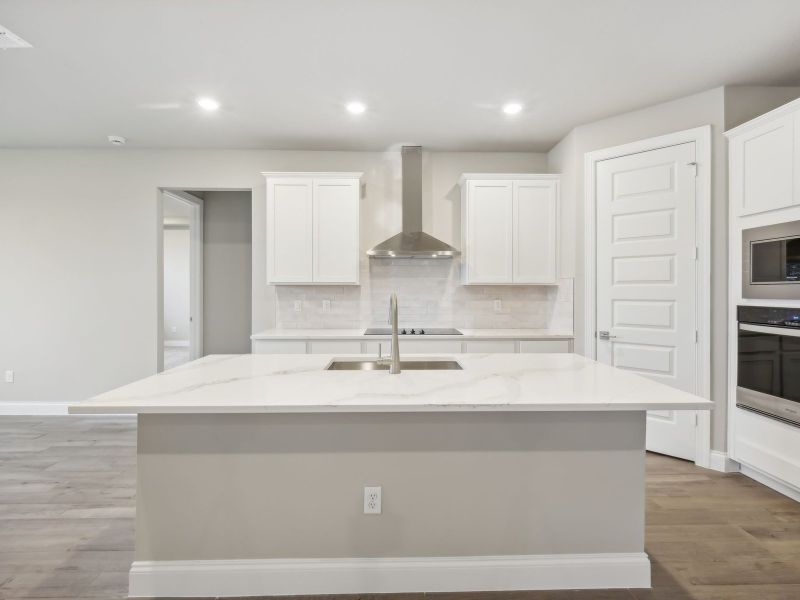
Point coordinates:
[(315, 174), (484, 176), (786, 109)]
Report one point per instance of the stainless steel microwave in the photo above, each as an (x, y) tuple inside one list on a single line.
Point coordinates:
[(771, 262)]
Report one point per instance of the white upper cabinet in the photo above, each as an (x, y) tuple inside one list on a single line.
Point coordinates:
[(764, 159), (313, 228), (488, 241), (509, 229), (535, 230)]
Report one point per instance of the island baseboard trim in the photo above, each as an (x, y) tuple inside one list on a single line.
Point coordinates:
[(279, 577)]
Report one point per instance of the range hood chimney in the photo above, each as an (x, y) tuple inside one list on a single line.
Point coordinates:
[(412, 242)]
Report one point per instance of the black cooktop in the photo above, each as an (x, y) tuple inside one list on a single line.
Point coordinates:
[(413, 331)]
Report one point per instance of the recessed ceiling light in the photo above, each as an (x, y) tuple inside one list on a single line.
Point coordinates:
[(355, 107), (208, 104), (512, 108)]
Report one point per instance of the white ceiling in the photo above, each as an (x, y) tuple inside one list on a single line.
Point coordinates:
[(432, 72)]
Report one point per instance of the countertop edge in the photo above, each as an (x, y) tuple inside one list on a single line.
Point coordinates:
[(500, 334)]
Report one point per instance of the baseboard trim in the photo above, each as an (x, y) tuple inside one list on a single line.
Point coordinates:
[(720, 461), (33, 408), (291, 577), (771, 482)]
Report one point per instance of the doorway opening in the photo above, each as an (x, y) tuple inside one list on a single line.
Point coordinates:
[(205, 268)]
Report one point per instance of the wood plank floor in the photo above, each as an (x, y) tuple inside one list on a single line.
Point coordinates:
[(67, 506)]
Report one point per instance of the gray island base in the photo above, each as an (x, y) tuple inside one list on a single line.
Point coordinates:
[(271, 501)]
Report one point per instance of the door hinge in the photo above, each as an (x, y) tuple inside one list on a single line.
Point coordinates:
[(696, 420), (696, 336), (697, 252), (694, 167)]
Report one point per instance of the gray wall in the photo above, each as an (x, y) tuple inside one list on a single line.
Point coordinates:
[(278, 486), (227, 272), (78, 308), (706, 108)]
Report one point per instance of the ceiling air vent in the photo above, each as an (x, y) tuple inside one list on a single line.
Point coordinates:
[(11, 40)]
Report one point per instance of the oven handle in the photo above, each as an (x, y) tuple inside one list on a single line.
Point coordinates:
[(770, 330)]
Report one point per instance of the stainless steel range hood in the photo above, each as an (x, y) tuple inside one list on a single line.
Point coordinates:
[(412, 242)]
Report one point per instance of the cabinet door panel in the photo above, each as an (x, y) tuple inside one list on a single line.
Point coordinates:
[(289, 230), (336, 207), (762, 163), (543, 346), (489, 232), (535, 231)]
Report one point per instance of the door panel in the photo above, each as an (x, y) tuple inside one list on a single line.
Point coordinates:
[(646, 278), (490, 232), (535, 227), (336, 231), (289, 227)]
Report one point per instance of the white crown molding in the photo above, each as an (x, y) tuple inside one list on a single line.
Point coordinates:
[(277, 577), (315, 174), (520, 176)]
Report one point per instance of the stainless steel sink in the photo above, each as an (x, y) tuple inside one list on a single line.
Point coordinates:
[(344, 364)]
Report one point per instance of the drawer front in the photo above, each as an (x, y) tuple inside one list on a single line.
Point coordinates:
[(335, 347), (491, 346), (427, 346), (544, 346), (279, 346)]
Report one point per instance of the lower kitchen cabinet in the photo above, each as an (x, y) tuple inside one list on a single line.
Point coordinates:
[(334, 347), (543, 346), (410, 346), (490, 346)]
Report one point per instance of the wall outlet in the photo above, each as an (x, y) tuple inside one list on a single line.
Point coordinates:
[(372, 500), (298, 305), (326, 306), (498, 305), (10, 377)]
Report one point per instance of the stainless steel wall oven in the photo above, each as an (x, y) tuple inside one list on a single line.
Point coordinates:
[(769, 362)]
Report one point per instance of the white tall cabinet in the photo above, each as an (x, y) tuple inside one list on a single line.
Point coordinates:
[(313, 228), (764, 187), (509, 229)]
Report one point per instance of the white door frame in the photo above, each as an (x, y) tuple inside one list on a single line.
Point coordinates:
[(195, 205), (701, 136)]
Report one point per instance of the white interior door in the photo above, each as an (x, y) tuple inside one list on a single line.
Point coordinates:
[(646, 279)]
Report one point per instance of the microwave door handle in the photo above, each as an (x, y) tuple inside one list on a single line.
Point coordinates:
[(771, 330)]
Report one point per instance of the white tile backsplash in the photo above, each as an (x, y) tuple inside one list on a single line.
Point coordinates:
[(429, 294)]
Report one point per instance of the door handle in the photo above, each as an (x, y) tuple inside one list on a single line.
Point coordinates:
[(604, 335)]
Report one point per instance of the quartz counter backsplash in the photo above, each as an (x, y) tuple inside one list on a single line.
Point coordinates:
[(429, 294)]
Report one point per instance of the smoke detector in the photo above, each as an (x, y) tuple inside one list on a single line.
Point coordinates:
[(9, 39), (117, 140)]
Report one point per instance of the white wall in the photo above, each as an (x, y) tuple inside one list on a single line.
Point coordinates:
[(227, 272), (705, 108), (78, 309), (176, 284)]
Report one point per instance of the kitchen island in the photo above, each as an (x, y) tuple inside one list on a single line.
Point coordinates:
[(512, 472)]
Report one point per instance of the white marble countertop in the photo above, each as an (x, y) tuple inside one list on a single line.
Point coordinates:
[(279, 383), (524, 334)]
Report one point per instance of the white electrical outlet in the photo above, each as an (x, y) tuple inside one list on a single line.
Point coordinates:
[(298, 305), (372, 500), (498, 305), (326, 306), (9, 376)]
